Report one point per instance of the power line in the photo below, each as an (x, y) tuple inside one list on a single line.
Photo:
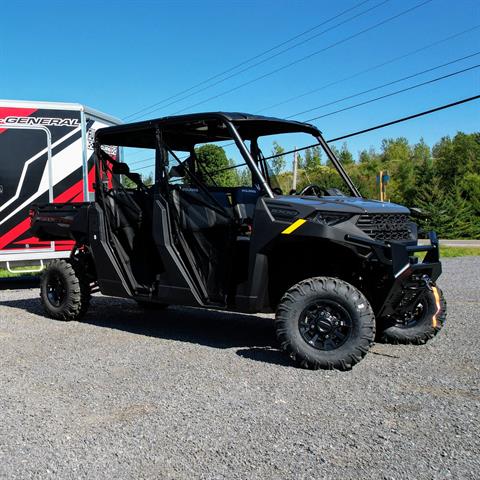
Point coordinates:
[(377, 87), (383, 125), (404, 119), (437, 79), (270, 57), (370, 69), (306, 57), (142, 161), (333, 102), (244, 62), (369, 129)]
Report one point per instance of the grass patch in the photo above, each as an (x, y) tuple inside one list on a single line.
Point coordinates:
[(6, 274), (452, 252), (459, 251)]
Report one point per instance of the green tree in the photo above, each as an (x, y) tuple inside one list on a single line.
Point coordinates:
[(396, 158), (245, 177), (448, 212), (213, 161), (471, 187), (313, 158), (148, 180), (423, 164), (277, 164), (455, 158), (345, 155)]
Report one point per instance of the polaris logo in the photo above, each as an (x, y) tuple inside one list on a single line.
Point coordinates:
[(58, 122)]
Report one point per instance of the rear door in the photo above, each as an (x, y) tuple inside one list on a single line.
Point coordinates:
[(40, 162), (25, 170)]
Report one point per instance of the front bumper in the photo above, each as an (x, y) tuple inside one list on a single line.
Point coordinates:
[(409, 280)]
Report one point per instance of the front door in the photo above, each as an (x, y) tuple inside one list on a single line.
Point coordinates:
[(204, 229)]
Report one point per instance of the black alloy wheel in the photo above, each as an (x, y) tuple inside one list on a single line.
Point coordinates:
[(56, 290), (325, 322), (65, 290), (325, 325), (420, 325)]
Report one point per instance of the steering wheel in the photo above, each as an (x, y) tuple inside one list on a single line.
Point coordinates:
[(313, 190)]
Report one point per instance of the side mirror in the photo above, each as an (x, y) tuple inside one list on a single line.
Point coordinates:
[(119, 168), (178, 171)]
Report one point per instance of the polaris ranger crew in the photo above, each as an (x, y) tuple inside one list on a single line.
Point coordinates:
[(337, 269)]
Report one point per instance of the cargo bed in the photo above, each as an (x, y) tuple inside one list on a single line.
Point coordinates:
[(56, 221)]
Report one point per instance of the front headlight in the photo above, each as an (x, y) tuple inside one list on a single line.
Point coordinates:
[(329, 218)]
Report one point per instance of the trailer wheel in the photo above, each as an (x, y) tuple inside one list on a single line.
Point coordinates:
[(325, 323), (427, 320), (64, 291)]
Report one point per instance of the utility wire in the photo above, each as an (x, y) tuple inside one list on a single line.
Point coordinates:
[(367, 130), (364, 71), (404, 119), (413, 75), (428, 82), (306, 57), (142, 161), (377, 88), (370, 69), (383, 125), (260, 62), (295, 62), (255, 57)]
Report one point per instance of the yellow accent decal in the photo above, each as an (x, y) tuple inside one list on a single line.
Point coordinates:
[(437, 303), (294, 226)]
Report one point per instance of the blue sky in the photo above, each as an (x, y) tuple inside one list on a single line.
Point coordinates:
[(121, 56)]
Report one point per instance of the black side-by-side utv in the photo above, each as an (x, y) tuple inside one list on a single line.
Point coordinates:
[(336, 268)]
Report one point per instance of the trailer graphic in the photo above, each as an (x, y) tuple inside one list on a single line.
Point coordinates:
[(45, 156)]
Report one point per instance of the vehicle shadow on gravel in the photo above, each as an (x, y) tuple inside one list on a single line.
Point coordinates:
[(252, 335)]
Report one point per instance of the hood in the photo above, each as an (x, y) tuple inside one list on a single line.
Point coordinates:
[(344, 204)]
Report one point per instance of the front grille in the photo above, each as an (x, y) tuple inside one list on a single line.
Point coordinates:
[(385, 226)]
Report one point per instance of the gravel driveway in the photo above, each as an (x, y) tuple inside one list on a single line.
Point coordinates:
[(200, 394)]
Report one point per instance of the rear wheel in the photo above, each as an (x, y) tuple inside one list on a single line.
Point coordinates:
[(64, 291), (425, 321), (326, 323)]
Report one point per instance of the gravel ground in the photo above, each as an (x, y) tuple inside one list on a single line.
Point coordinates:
[(200, 394)]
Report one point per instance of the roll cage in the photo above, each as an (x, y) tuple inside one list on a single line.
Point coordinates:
[(182, 133)]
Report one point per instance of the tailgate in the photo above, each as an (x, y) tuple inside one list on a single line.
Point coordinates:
[(53, 221)]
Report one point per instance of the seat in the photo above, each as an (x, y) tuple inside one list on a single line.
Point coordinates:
[(125, 217), (193, 211), (244, 201)]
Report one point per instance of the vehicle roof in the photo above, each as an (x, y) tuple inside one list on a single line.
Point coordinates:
[(181, 132), (59, 106)]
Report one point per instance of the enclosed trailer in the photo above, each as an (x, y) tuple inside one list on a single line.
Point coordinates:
[(46, 153)]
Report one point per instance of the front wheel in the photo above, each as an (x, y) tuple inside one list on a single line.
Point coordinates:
[(324, 322), (422, 324), (64, 291)]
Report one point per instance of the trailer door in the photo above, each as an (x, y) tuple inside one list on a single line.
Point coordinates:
[(25, 178)]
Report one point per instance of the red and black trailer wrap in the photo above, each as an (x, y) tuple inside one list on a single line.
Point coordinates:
[(46, 156)]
